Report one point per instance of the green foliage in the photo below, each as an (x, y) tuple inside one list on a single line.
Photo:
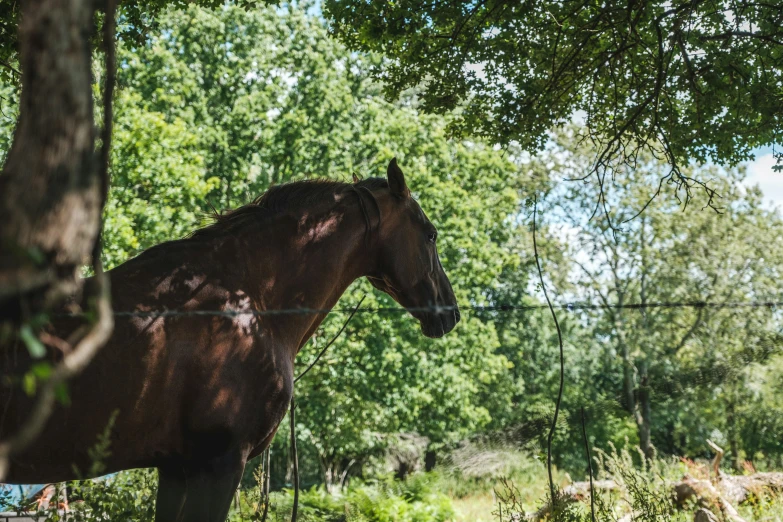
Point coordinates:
[(646, 487), (380, 500), (9, 18), (158, 181), (137, 19), (9, 110), (128, 496), (689, 79)]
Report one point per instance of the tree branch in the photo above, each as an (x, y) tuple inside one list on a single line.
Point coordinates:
[(72, 364), (742, 34), (9, 66), (562, 358)]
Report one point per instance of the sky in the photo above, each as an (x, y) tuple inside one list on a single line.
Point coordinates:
[(760, 173)]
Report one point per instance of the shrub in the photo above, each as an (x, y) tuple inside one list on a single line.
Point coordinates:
[(381, 500)]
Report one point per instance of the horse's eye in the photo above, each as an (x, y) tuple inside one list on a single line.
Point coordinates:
[(432, 237)]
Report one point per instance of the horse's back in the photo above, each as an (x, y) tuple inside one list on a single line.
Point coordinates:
[(164, 387)]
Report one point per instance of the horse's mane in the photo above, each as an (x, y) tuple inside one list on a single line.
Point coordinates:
[(292, 197)]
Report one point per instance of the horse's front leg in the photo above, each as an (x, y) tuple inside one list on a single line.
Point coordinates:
[(199, 492)]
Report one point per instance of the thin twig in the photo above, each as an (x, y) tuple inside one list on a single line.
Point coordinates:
[(332, 341), (9, 66), (72, 364), (263, 482), (562, 358), (108, 93), (55, 342)]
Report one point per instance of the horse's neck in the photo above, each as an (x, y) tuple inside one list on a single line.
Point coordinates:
[(313, 268)]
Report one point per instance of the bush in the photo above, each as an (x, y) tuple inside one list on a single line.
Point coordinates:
[(128, 496), (646, 488), (644, 493)]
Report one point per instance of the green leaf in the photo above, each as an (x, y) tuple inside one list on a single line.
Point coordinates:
[(34, 345), (41, 370), (62, 395), (36, 255), (29, 384)]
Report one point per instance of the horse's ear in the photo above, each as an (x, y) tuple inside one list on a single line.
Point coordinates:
[(396, 179), (356, 178)]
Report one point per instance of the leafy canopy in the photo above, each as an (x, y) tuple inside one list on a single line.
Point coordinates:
[(687, 80)]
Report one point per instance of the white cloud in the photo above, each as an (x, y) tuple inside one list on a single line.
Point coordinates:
[(771, 183)]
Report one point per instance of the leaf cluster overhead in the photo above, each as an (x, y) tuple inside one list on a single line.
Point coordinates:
[(687, 80)]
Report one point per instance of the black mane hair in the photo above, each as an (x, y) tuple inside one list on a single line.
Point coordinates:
[(286, 197)]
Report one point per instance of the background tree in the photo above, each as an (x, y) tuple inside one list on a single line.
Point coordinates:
[(690, 367), (50, 187)]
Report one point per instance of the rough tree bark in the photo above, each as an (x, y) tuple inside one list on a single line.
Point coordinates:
[(53, 187), (50, 191)]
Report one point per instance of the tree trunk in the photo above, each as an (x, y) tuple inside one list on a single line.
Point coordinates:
[(628, 385), (430, 459), (644, 415), (629, 403), (50, 191), (731, 425), (330, 474)]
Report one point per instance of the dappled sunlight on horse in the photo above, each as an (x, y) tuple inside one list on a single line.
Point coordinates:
[(198, 395)]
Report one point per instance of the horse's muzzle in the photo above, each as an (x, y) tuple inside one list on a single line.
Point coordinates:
[(438, 324)]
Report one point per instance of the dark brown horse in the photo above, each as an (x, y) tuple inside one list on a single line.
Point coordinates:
[(197, 396)]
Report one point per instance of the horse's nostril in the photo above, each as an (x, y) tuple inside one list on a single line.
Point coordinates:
[(456, 315)]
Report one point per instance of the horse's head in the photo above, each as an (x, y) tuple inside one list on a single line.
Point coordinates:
[(408, 267)]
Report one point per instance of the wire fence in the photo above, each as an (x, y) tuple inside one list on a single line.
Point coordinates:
[(571, 306)]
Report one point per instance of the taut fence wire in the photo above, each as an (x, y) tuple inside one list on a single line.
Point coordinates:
[(571, 306)]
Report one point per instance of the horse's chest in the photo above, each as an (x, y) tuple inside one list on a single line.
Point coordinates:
[(249, 395)]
